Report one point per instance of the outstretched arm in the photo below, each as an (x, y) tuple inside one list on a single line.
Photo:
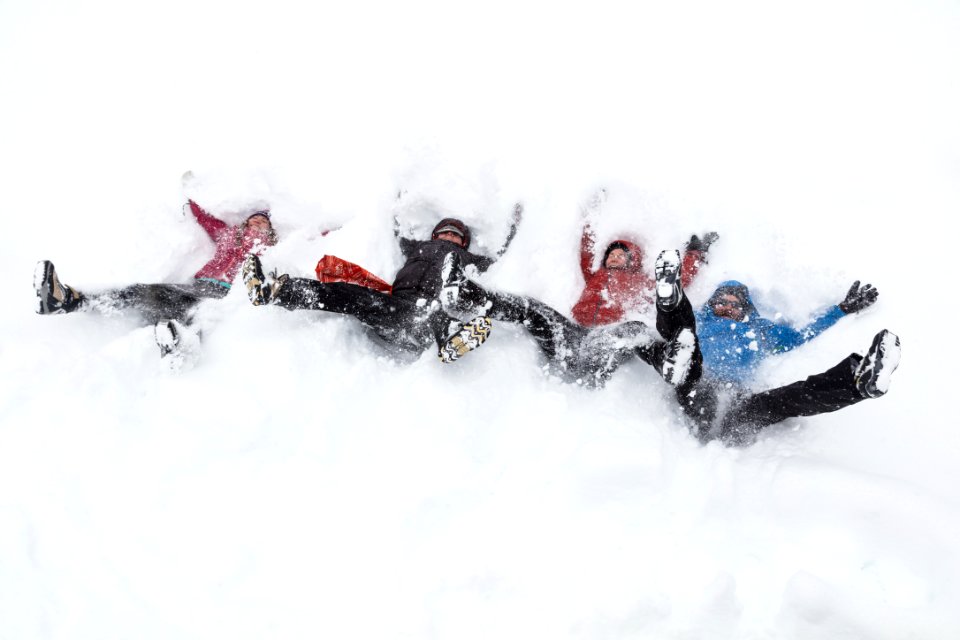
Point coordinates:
[(407, 245), (587, 242), (517, 216), (482, 263), (784, 338), (781, 337), (213, 226), (695, 256)]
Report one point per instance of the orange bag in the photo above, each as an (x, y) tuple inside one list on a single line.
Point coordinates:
[(334, 269)]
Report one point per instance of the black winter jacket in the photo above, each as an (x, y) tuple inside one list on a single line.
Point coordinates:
[(420, 275)]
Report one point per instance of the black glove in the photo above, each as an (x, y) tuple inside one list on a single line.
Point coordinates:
[(858, 298), (696, 244)]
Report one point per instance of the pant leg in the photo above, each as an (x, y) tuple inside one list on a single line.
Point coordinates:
[(699, 402), (155, 302), (670, 323), (669, 326), (604, 349), (557, 336), (821, 393), (396, 319)]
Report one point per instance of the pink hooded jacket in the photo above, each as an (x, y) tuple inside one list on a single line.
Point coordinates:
[(233, 245)]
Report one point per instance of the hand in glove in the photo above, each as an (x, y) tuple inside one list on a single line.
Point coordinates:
[(702, 245), (858, 298)]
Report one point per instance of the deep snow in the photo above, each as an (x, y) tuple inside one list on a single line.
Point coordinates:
[(296, 483)]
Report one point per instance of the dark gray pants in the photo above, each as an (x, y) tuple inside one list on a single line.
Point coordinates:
[(156, 302)]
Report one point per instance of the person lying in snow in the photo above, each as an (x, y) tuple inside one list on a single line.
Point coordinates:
[(589, 355), (410, 317), (734, 339), (588, 351), (168, 306), (620, 285)]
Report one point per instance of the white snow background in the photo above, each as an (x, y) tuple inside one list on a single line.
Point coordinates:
[(297, 484)]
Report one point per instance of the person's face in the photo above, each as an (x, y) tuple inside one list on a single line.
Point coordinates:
[(449, 236), (259, 224), (729, 306), (617, 259)]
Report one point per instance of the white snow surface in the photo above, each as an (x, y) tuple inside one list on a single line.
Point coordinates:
[(296, 483)]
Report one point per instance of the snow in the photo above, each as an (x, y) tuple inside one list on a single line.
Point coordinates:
[(296, 483)]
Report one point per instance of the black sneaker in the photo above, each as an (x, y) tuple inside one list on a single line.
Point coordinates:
[(872, 376), (470, 336), (451, 279), (677, 358), (258, 290), (667, 271), (52, 295), (179, 345), (168, 335)]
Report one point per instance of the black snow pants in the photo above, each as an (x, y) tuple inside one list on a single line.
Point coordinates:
[(588, 355), (156, 302), (406, 323), (745, 414)]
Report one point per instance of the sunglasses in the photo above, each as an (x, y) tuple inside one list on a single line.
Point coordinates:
[(727, 300)]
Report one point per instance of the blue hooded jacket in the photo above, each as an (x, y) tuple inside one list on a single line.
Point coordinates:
[(732, 350)]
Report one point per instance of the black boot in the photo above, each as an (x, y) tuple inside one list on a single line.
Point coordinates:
[(52, 295)]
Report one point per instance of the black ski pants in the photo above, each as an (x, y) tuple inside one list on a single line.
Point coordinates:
[(404, 322), (589, 355), (156, 302), (746, 414)]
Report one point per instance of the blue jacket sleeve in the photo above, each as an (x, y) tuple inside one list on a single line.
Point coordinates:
[(781, 337)]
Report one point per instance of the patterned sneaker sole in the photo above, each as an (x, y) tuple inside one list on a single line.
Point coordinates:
[(472, 335), (253, 279), (667, 270)]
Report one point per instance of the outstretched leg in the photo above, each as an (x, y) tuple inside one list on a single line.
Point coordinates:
[(397, 319), (841, 386), (678, 359), (557, 336), (155, 302)]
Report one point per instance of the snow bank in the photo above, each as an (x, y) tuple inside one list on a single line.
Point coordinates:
[(297, 483)]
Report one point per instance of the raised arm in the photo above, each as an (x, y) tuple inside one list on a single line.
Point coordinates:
[(407, 245), (213, 226), (695, 256), (517, 216), (587, 243)]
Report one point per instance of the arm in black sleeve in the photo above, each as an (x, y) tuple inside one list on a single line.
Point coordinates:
[(407, 245), (482, 263), (517, 216)]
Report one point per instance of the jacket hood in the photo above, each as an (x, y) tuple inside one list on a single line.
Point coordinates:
[(456, 224), (636, 254), (736, 288)]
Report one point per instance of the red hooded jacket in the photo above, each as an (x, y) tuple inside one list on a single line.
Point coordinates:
[(611, 293), (233, 245)]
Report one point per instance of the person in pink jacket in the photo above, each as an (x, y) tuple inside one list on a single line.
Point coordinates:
[(168, 306)]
